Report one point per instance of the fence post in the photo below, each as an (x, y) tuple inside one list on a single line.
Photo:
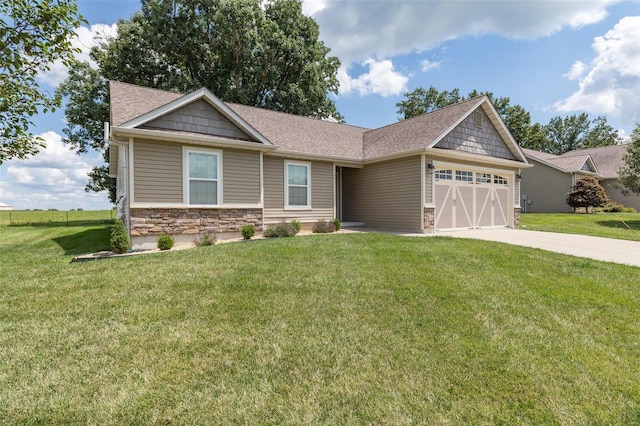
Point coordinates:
[(9, 217), (67, 217)]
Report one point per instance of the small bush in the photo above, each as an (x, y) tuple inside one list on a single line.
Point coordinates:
[(248, 231), (296, 224), (323, 227), (613, 207), (206, 240), (337, 224), (282, 229), (165, 242), (119, 238)]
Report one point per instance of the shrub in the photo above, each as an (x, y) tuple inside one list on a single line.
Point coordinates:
[(337, 224), (119, 238), (206, 240), (165, 242), (613, 207), (248, 231), (282, 229), (323, 227), (296, 224)]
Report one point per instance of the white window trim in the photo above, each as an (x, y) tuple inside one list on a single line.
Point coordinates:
[(286, 184), (186, 178)]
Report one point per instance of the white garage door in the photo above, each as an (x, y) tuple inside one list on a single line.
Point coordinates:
[(471, 199)]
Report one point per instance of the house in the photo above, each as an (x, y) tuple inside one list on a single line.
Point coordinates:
[(192, 164), (544, 187), (5, 207)]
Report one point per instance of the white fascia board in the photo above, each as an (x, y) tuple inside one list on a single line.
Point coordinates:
[(476, 158), (210, 98), (176, 137)]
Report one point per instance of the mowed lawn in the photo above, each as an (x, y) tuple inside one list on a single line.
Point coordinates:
[(324, 329), (622, 226)]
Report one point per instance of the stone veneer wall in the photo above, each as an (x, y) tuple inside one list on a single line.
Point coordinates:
[(157, 221), (429, 218), (516, 218)]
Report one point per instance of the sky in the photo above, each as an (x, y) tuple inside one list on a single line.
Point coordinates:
[(554, 58)]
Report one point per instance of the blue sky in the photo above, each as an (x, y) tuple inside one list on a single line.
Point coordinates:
[(552, 57)]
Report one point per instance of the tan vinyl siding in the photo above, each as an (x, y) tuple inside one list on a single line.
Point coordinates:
[(546, 187), (241, 177), (157, 172), (516, 192), (616, 195), (321, 192), (384, 195)]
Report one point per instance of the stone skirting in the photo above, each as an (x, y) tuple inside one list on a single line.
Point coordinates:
[(516, 218), (157, 221), (429, 218)]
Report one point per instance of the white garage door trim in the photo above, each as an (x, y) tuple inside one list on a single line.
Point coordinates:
[(471, 197)]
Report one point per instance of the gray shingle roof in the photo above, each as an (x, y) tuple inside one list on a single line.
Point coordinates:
[(608, 159), (414, 133), (303, 135)]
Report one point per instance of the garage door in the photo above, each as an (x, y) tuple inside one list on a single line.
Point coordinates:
[(471, 199)]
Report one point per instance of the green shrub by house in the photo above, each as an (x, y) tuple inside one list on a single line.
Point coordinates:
[(296, 224), (337, 224), (119, 241), (282, 229), (248, 231), (165, 242), (206, 240), (323, 227)]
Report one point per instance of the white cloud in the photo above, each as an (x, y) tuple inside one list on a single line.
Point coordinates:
[(85, 39), (356, 30), (53, 178), (311, 7), (426, 65), (610, 83), (576, 71), (381, 79)]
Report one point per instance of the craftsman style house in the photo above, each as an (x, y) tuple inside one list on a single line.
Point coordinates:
[(192, 164)]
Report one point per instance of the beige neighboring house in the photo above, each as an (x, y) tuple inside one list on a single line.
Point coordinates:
[(545, 186), (5, 207), (193, 164)]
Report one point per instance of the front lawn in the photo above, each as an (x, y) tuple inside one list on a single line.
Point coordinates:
[(325, 329), (622, 226)]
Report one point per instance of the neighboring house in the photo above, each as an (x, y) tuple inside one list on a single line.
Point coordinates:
[(544, 187), (192, 164), (5, 207)]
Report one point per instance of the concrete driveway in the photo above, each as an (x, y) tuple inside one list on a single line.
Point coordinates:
[(605, 249)]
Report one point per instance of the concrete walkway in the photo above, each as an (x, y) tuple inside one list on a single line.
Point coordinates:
[(605, 249)]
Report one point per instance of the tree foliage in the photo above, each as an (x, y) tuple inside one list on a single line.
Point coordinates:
[(586, 193), (629, 174), (33, 34), (265, 54), (560, 135)]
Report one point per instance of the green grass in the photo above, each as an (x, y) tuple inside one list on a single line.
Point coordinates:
[(622, 226), (50, 217), (325, 329)]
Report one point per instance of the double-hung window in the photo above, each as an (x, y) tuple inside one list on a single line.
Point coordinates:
[(297, 184), (203, 177)]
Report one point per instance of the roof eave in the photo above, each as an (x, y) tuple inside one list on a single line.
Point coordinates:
[(476, 158), (206, 140)]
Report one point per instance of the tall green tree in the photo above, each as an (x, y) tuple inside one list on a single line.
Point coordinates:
[(629, 174), (265, 54), (33, 34), (577, 132)]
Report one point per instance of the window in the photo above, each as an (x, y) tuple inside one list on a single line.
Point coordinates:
[(444, 175), (499, 180), (297, 185), (462, 176), (483, 177), (203, 173), (478, 118)]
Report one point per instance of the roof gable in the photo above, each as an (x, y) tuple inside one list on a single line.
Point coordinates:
[(609, 159), (580, 163)]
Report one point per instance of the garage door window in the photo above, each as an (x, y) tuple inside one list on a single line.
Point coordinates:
[(483, 177), (444, 174), (462, 176), (499, 180)]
